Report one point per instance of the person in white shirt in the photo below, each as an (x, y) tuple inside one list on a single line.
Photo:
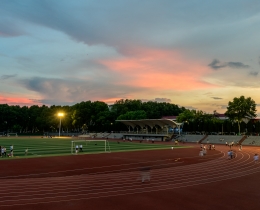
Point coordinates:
[(256, 158), (2, 151), (12, 150), (77, 148), (81, 148)]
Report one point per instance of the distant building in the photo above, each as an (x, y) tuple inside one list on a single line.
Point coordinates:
[(221, 116), (170, 118)]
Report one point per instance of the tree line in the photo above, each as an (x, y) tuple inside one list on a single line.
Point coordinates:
[(241, 113), (97, 116), (85, 116)]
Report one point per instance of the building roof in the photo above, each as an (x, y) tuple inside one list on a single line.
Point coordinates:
[(150, 122)]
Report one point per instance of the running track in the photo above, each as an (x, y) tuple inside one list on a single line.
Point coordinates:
[(174, 183)]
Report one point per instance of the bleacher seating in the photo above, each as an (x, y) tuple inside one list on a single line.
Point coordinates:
[(193, 138), (252, 141), (222, 139)]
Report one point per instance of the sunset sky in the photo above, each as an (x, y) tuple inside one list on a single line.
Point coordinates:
[(199, 54)]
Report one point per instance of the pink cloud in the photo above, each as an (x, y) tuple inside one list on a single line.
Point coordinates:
[(18, 101), (159, 69)]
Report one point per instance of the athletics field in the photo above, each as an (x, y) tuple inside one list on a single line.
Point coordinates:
[(38, 147), (179, 178)]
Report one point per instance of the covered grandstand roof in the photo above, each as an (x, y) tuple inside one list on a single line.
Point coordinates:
[(150, 122)]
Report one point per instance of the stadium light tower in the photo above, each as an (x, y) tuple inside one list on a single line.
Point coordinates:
[(60, 115)]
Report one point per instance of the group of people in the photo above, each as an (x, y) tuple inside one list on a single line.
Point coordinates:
[(131, 140), (231, 144), (3, 151), (79, 148), (203, 149)]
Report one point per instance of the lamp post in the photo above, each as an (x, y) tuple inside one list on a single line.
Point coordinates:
[(60, 115)]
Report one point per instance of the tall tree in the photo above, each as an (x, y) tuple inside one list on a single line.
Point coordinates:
[(241, 109)]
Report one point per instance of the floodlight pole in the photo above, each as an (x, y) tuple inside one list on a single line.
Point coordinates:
[(60, 115), (60, 127)]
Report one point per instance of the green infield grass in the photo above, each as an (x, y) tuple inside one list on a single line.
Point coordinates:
[(40, 147)]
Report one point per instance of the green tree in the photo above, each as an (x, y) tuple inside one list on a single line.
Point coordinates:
[(241, 109), (133, 115)]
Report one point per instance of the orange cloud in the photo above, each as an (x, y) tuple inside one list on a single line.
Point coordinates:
[(160, 69)]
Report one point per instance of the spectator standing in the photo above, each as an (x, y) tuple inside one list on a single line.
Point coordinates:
[(4, 151), (11, 150), (77, 149)]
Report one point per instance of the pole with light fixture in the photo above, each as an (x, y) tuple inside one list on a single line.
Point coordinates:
[(60, 115)]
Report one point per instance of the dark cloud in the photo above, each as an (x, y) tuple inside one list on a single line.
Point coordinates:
[(163, 100), (253, 73), (167, 100), (10, 28), (216, 64), (237, 65), (67, 91), (6, 76), (216, 98)]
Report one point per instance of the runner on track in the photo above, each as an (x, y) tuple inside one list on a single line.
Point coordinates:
[(256, 158)]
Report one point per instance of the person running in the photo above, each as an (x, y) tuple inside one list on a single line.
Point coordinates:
[(81, 148), (77, 149), (256, 158), (229, 154), (201, 153), (26, 151), (204, 151), (145, 174), (240, 147)]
